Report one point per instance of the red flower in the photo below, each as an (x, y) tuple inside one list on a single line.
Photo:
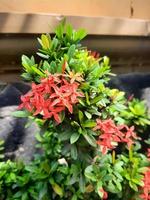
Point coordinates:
[(112, 134), (53, 95), (105, 195), (94, 54), (130, 98), (146, 187), (148, 153)]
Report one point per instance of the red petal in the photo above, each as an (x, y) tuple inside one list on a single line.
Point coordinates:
[(57, 118)]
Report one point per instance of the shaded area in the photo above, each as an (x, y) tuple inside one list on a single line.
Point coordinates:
[(127, 54), (19, 140)]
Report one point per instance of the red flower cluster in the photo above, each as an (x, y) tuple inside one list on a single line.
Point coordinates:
[(53, 95), (112, 134), (95, 54), (146, 187)]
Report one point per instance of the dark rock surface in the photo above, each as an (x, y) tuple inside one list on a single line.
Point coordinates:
[(19, 141), (133, 83), (136, 84)]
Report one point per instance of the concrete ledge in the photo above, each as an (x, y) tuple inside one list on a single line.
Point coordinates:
[(43, 23)]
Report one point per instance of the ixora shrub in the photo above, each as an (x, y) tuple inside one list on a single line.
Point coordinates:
[(91, 136)]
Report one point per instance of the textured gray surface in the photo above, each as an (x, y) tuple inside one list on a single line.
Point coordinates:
[(19, 141)]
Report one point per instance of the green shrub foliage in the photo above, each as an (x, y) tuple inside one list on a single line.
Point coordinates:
[(90, 134)]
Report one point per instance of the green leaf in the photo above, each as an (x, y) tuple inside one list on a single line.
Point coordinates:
[(81, 116), (133, 186), (43, 191), (69, 31), (57, 189), (89, 173), (74, 123), (1, 142), (47, 67), (98, 187), (27, 63), (60, 30), (1, 156), (37, 71), (118, 166), (106, 60), (18, 194), (118, 184), (74, 197), (87, 98), (53, 67), (45, 41), (46, 166), (74, 152), (96, 99), (120, 106), (43, 55), (112, 188), (82, 183), (81, 102), (90, 139), (74, 137), (88, 115), (71, 51), (127, 176), (59, 67), (39, 137), (89, 124), (27, 76), (20, 113), (142, 169), (79, 35), (54, 44), (137, 182), (25, 196), (64, 136)]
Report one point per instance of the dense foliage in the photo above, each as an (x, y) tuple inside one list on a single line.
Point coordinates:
[(90, 136)]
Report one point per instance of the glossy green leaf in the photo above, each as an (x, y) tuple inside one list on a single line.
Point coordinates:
[(71, 51), (74, 152), (20, 113), (58, 190), (82, 183), (37, 71), (69, 31), (81, 116), (89, 124), (88, 115), (90, 139), (45, 41), (74, 137)]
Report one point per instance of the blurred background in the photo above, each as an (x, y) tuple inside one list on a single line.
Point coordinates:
[(119, 29)]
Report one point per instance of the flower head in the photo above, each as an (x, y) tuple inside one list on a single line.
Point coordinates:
[(146, 188), (111, 135), (52, 96)]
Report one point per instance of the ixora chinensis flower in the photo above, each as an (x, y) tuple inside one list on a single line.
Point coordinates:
[(91, 138), (111, 135), (52, 96)]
